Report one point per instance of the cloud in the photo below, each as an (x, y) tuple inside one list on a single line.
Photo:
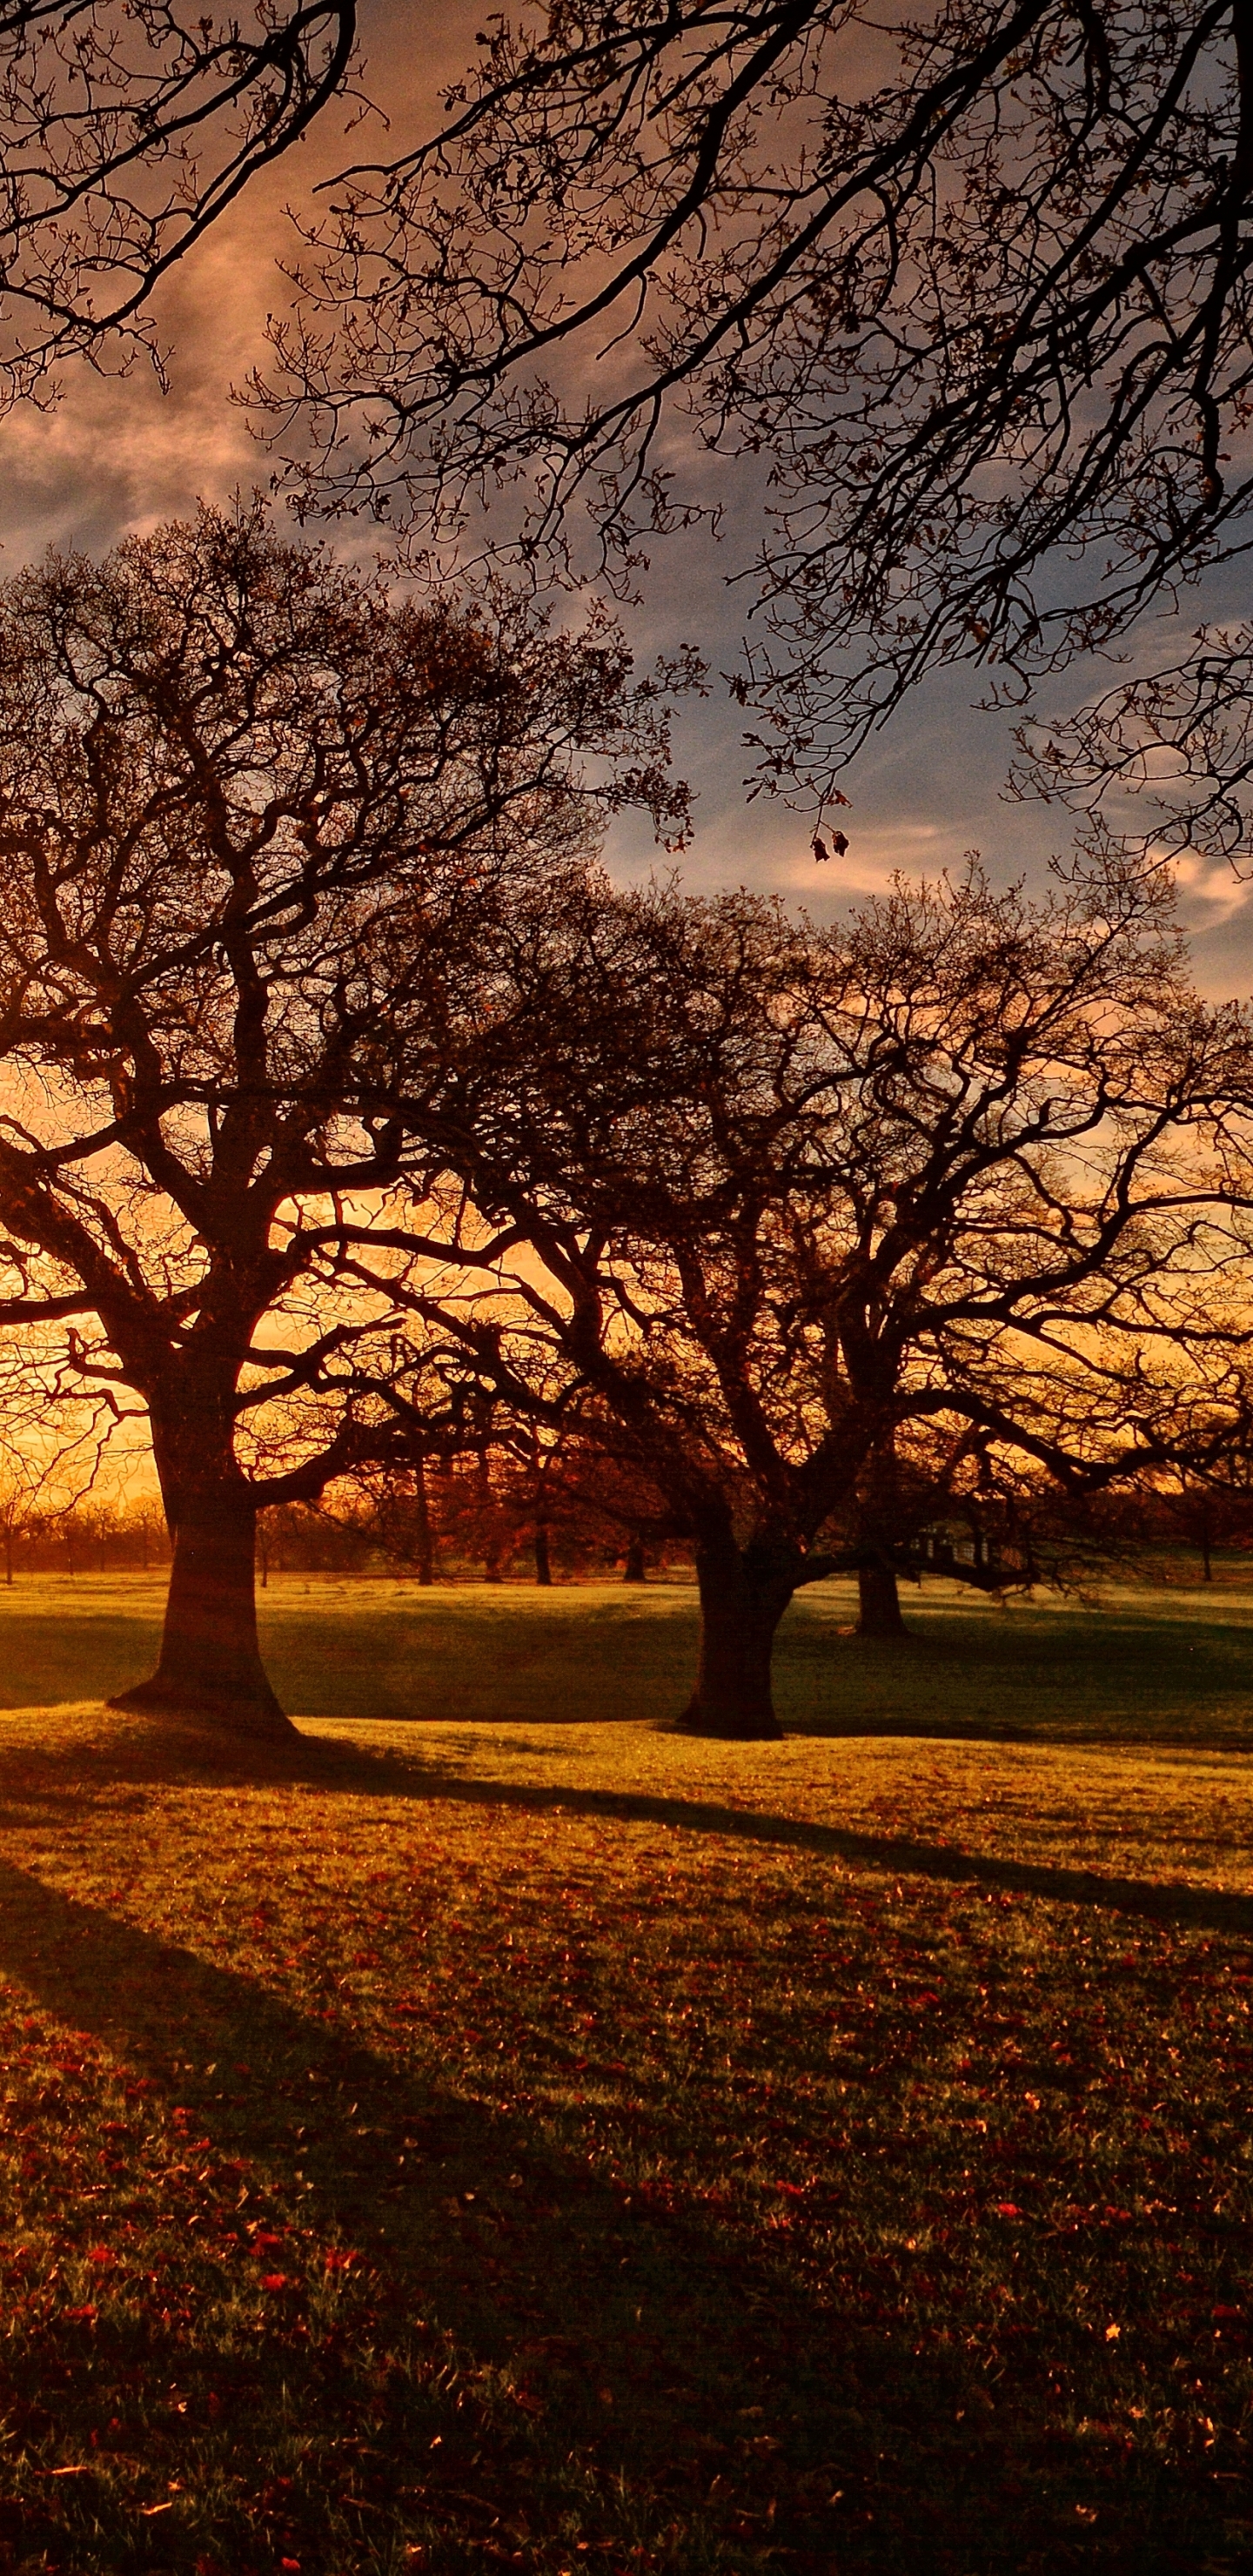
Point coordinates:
[(118, 456), (1210, 893)]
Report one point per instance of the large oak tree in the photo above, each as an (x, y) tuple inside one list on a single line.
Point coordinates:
[(259, 825), (759, 1200)]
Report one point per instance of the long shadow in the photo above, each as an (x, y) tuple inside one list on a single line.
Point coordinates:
[(1208, 1908), (1115, 1678), (506, 2251), (1094, 1739), (354, 1770), (553, 2278)]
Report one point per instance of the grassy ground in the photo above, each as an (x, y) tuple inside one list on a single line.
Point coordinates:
[(559, 2145), (1166, 1666)]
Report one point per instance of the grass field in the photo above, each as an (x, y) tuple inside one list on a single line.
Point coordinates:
[(532, 2142), (1167, 1666)]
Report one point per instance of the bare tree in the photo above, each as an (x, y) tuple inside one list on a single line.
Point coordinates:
[(785, 1194), (125, 133), (258, 824), (1163, 761), (52, 1445), (966, 294)]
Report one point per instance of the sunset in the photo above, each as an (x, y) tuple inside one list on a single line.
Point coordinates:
[(626, 1289)]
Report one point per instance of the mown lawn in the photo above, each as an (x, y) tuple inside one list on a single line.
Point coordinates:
[(1163, 1666), (552, 2144)]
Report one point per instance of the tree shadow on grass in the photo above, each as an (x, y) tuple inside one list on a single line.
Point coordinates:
[(1209, 1909), (142, 1755), (554, 2358), (484, 2254), (1114, 1676), (504, 2286)]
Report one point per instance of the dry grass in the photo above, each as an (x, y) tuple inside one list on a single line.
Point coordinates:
[(561, 2146)]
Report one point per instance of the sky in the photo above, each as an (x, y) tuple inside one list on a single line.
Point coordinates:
[(119, 455)]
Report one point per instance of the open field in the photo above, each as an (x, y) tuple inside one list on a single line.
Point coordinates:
[(1146, 1666), (549, 2145)]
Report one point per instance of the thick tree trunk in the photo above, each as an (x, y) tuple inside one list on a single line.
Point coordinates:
[(880, 1602), (634, 1571), (210, 1664), (543, 1559), (741, 1604)]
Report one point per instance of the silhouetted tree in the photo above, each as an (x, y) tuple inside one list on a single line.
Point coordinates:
[(258, 823), (51, 1449), (786, 1193)]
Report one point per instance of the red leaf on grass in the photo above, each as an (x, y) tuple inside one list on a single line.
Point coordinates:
[(275, 2281), (1006, 2209)]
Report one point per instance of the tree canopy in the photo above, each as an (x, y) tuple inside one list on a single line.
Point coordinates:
[(124, 134), (756, 1199), (966, 290), (259, 823)]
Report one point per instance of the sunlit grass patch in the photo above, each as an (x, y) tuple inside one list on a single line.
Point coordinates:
[(562, 2146), (1145, 1666)]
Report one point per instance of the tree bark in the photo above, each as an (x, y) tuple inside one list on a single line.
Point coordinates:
[(634, 1571), (210, 1663), (880, 1602), (742, 1601), (424, 1550), (543, 1559), (493, 1544)]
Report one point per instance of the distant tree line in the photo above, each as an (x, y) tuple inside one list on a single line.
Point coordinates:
[(481, 1523)]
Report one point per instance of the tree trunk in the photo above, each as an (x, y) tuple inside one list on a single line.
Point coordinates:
[(634, 1571), (741, 1604), (493, 1544), (424, 1546), (543, 1561), (880, 1602), (210, 1664)]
